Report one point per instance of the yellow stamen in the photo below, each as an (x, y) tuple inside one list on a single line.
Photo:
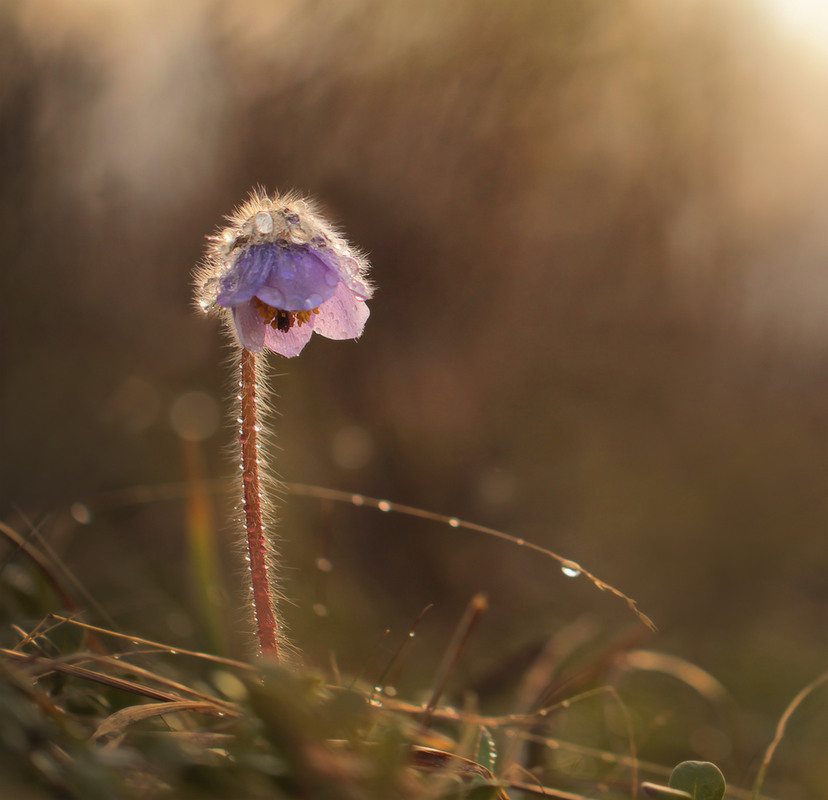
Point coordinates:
[(280, 319)]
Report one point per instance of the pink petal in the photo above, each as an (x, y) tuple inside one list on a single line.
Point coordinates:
[(289, 343), (343, 316), (250, 327)]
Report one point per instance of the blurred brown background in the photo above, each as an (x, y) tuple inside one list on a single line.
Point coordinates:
[(598, 231)]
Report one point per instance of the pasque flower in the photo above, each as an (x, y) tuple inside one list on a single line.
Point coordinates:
[(277, 273), (283, 272)]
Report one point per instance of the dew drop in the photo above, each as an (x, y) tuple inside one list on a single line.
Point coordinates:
[(411, 634), (384, 505), (357, 499), (520, 542), (565, 703), (320, 609), (571, 569), (454, 522), (264, 222), (378, 689), (324, 565)]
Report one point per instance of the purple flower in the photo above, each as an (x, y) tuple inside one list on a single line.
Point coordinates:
[(283, 273)]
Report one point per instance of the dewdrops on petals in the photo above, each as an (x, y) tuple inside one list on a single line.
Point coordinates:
[(263, 223), (280, 273)]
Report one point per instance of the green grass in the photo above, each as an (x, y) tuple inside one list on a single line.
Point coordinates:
[(89, 712)]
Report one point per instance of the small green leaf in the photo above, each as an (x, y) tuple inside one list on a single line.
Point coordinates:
[(700, 779), (486, 751)]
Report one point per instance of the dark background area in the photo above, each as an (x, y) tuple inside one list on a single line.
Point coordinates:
[(598, 232)]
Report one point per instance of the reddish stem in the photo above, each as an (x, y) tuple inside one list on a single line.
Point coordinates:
[(266, 624)]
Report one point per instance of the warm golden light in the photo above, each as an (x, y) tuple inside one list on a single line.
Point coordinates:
[(803, 20)]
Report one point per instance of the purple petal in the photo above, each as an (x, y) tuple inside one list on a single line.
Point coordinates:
[(289, 343), (298, 281), (347, 269), (241, 282), (250, 327), (343, 316)]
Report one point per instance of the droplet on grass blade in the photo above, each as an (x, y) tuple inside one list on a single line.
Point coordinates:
[(571, 569)]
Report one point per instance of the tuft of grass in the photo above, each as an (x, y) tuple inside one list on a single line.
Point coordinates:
[(92, 712)]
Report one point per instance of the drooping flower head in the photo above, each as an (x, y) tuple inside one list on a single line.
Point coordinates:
[(282, 272)]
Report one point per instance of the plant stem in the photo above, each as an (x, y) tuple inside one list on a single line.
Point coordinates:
[(476, 608), (266, 624)]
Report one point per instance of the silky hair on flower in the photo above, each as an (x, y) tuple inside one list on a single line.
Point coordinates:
[(281, 272), (277, 273)]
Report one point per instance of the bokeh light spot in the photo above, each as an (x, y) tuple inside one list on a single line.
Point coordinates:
[(194, 416)]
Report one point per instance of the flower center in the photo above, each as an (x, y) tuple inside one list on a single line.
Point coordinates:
[(279, 319)]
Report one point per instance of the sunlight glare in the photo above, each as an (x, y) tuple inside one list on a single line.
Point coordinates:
[(803, 20)]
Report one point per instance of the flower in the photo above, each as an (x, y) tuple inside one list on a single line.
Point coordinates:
[(283, 272)]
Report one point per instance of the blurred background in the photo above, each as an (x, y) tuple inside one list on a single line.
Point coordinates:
[(599, 236)]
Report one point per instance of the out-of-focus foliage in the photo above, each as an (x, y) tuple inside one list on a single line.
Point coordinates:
[(281, 747), (598, 232), (92, 713)]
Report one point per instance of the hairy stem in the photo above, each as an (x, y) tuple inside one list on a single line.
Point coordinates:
[(267, 628)]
